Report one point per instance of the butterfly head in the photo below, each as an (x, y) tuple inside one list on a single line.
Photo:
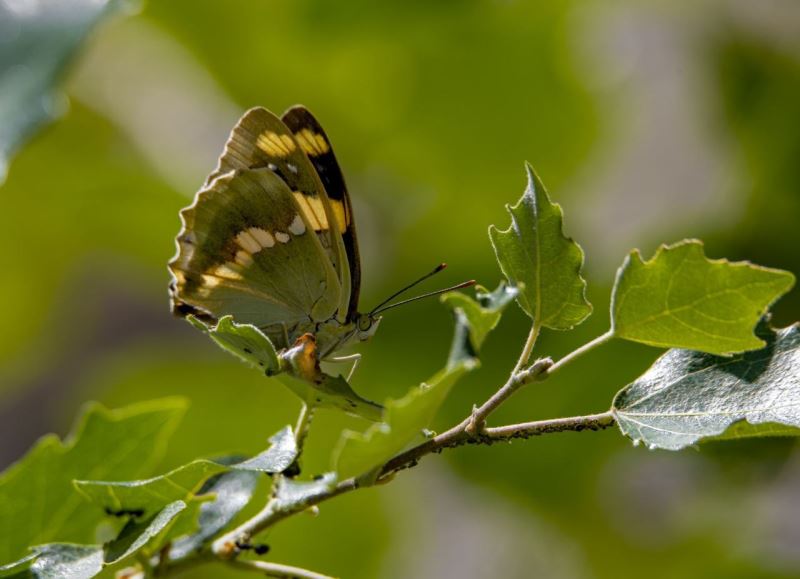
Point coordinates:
[(366, 325)]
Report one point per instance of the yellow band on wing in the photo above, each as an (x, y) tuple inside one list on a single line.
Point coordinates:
[(314, 212)]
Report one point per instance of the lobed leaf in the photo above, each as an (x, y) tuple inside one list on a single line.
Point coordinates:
[(475, 318), (682, 299), (535, 256), (38, 503), (149, 496), (689, 396)]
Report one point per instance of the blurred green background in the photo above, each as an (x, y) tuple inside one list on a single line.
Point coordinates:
[(648, 122)]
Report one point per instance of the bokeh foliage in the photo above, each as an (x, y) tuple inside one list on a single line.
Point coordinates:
[(432, 107)]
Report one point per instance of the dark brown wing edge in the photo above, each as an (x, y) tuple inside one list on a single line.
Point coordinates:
[(298, 118)]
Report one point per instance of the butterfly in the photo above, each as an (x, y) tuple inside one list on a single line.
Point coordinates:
[(270, 238)]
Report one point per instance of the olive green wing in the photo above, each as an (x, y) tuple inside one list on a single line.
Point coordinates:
[(317, 146), (261, 139), (247, 249)]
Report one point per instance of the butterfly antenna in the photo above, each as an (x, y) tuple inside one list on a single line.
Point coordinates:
[(436, 270), (382, 307)]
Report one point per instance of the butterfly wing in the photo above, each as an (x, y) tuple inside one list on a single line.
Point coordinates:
[(260, 139), (316, 145), (247, 250)]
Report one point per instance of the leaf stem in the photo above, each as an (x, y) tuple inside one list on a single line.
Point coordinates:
[(303, 425), (588, 346), (278, 570), (530, 342)]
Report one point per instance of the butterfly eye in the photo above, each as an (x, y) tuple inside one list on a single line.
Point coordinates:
[(364, 323)]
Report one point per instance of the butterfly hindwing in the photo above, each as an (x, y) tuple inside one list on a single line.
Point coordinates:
[(315, 143), (260, 139), (246, 250)]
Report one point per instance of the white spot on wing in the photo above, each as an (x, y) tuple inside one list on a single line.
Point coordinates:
[(244, 259), (229, 270), (264, 238), (282, 237), (297, 226), (247, 242), (210, 281)]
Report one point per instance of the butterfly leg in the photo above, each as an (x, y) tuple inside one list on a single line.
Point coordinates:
[(355, 358)]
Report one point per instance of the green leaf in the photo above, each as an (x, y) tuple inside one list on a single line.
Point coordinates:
[(682, 299), (404, 420), (245, 341), (535, 255), (154, 502), (146, 497), (20, 567), (123, 443), (57, 561), (688, 396), (139, 532), (475, 319), (332, 392), (232, 492), (39, 40)]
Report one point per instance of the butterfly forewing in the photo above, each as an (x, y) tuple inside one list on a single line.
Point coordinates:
[(247, 250), (260, 139), (315, 143)]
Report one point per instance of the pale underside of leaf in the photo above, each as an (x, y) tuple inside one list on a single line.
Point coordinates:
[(137, 534), (232, 491), (291, 494), (687, 396)]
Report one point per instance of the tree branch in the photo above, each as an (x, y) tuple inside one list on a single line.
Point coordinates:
[(599, 421), (458, 436), (518, 379), (227, 546), (277, 570)]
